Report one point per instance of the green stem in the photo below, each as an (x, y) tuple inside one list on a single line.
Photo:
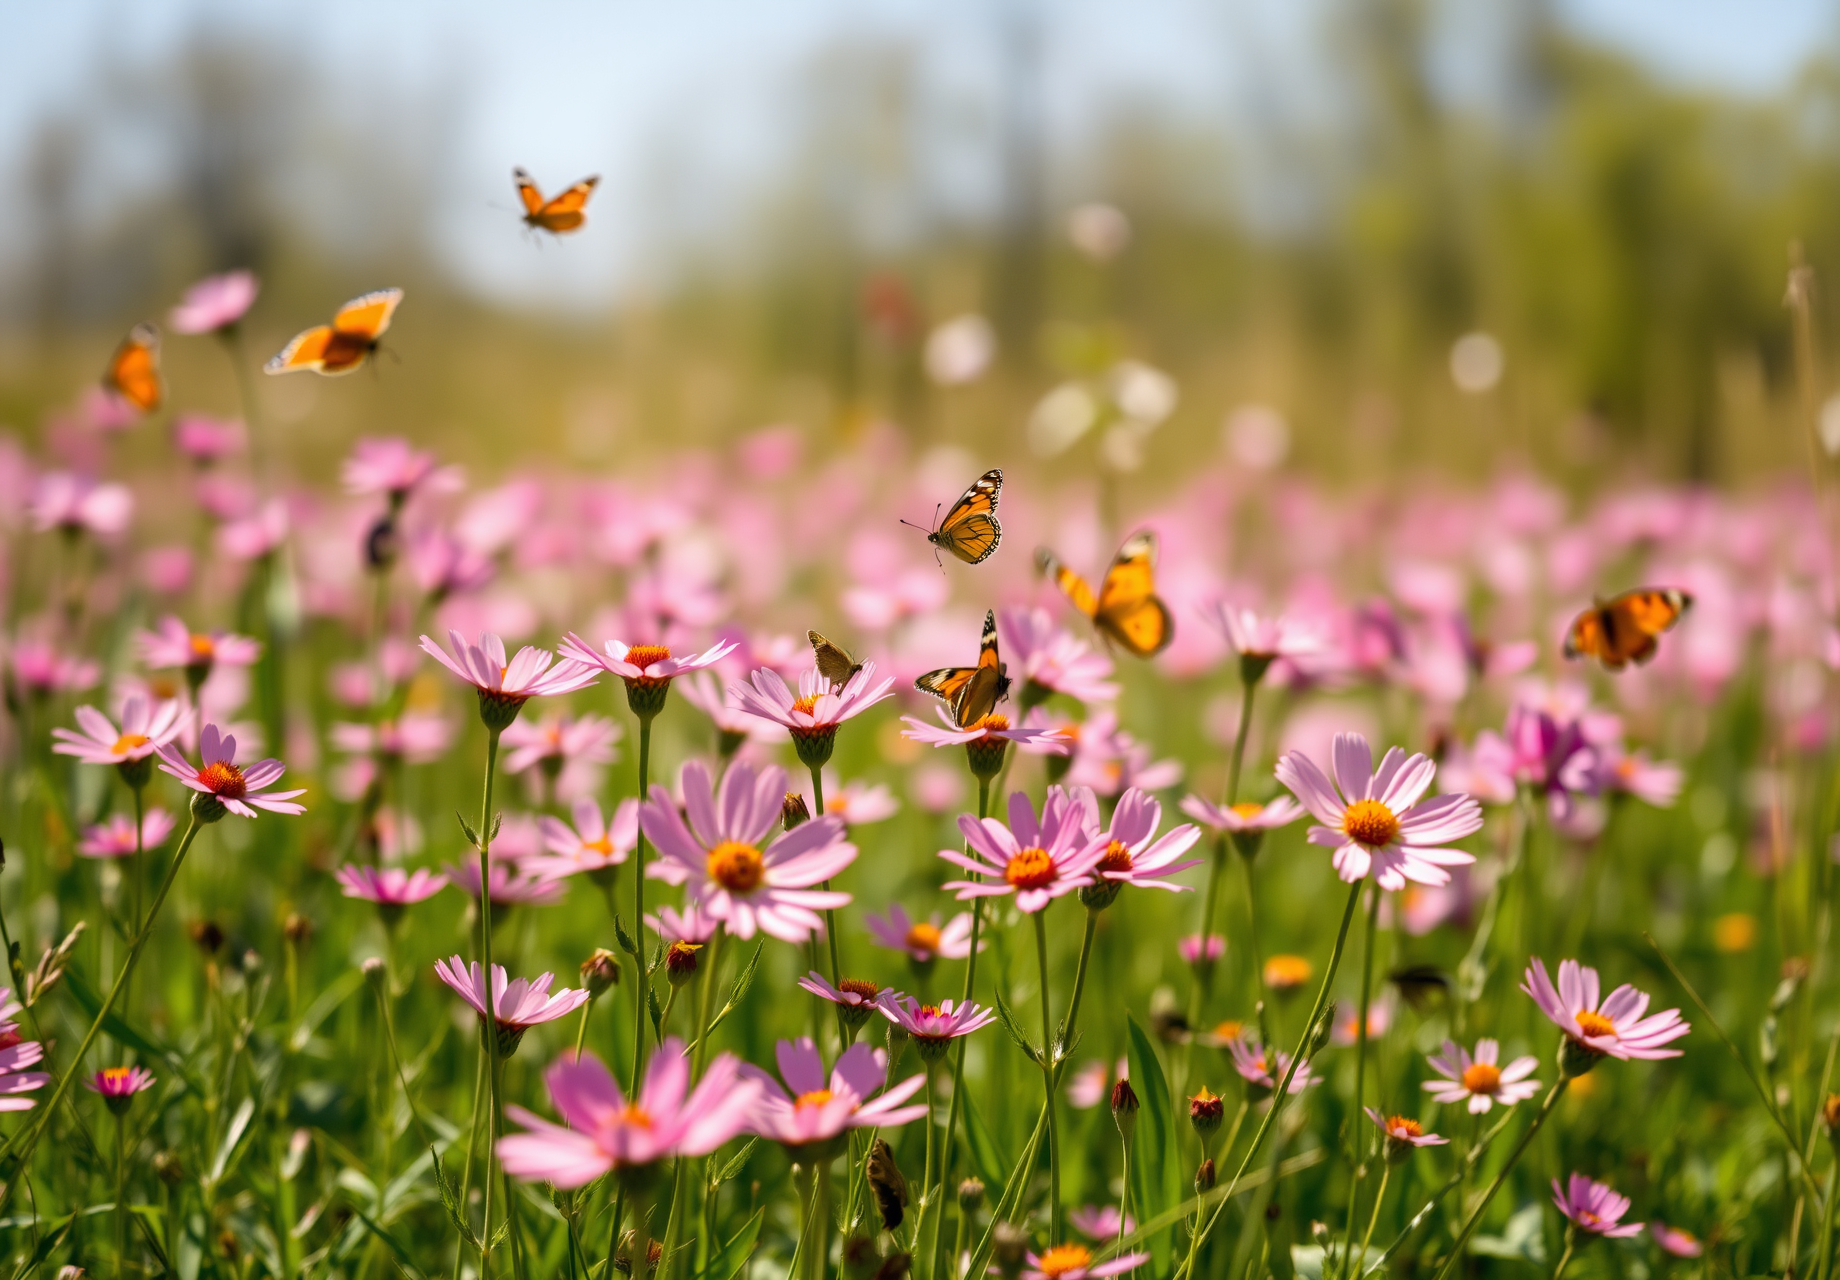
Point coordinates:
[(667, 1265), (1047, 1080), (1282, 1095), (1470, 1160), (1571, 1243), (491, 1021), (644, 979), (1475, 1215), (1372, 1218), (121, 1195), (1239, 741), (1360, 1068), (830, 915), (472, 1133), (1068, 1027)]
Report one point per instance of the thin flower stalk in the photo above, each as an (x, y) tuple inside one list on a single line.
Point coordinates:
[(1475, 1215), (641, 983), (1360, 1079), (1055, 1209), (706, 978), (830, 913)]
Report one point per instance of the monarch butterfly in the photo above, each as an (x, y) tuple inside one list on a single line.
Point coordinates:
[(970, 530), (344, 344), (559, 214), (886, 1182), (834, 663), (1625, 628), (1126, 609), (971, 692), (134, 369)]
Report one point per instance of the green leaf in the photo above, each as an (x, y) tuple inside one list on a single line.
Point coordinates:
[(403, 1258), (657, 1013), (337, 992), (985, 1154), (736, 996), (727, 1261), (450, 1201), (1005, 1208), (1008, 1019), (239, 1124), (1522, 1238), (1156, 1181), (466, 828), (738, 1162), (86, 996), (627, 944)]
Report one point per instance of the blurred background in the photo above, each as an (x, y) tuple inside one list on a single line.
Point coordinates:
[(1363, 237)]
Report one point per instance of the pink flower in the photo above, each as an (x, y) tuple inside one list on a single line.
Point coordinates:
[(690, 925), (145, 728), (1480, 1080), (393, 466), (1613, 1027), (1253, 636), (257, 534), (78, 504), (1485, 770), (1092, 1083), (1551, 755), (814, 716), (1074, 1262), (571, 751), (1190, 949), (1682, 1244), (1263, 1069), (504, 687), (1048, 659), (924, 941), (1101, 1222), (857, 803), (606, 1132), (509, 885), (644, 665), (215, 303), (1038, 862), (1402, 1134), (1655, 782), (115, 838), (37, 668), (16, 1054), (442, 565), (1133, 854), (856, 997), (173, 644), (1110, 761), (735, 874), (1594, 1207), (1245, 817), (118, 1084), (415, 737), (1347, 1028), (515, 1006), (592, 845), (811, 1110), (389, 886), (207, 440), (1377, 822), (234, 788), (993, 728), (733, 725), (933, 1027)]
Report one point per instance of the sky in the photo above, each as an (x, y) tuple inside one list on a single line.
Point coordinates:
[(634, 91)]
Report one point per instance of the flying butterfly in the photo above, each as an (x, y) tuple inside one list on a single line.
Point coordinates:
[(1625, 628), (886, 1182), (971, 692), (344, 344), (559, 214), (1421, 984), (834, 663), (134, 369), (970, 530), (1126, 608)]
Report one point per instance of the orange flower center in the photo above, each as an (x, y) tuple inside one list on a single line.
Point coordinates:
[(816, 1098), (1284, 972), (127, 742), (1370, 823), (1246, 810), (203, 647), (1030, 869), (924, 937), (736, 867), (806, 704), (602, 846), (1117, 858), (1482, 1077), (164, 688), (636, 1115), (224, 779), (995, 720), (644, 655), (1229, 1030), (116, 1076), (859, 987), (1595, 1024), (1400, 1127), (1064, 1258)]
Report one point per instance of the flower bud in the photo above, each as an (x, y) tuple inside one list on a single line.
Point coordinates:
[(1205, 1177), (1124, 1108), (1576, 1058), (1205, 1112), (854, 1015), (985, 755), (1325, 1027), (970, 1194), (297, 928), (167, 1168), (680, 961), (794, 812), (600, 971), (375, 971), (1010, 1249)]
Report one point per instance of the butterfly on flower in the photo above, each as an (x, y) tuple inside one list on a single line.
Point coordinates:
[(134, 369), (559, 214), (970, 530), (1625, 628), (343, 345), (888, 1184), (1126, 608), (834, 662), (971, 692)]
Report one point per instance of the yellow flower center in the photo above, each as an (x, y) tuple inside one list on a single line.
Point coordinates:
[(636, 1115), (1482, 1077), (995, 720), (859, 987), (736, 867), (1116, 858), (164, 688), (224, 779), (1229, 1030), (602, 846), (1285, 972), (816, 1098), (1030, 869), (1246, 810), (644, 655), (924, 937), (1595, 1024), (203, 647), (115, 1076), (1400, 1127), (127, 742), (1065, 1258), (1370, 823), (806, 704)]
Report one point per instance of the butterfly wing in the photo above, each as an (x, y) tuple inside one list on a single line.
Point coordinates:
[(888, 1184), (527, 192), (134, 369), (988, 683), (946, 683), (368, 316), (834, 662), (970, 530), (1071, 584), (1633, 622), (307, 350), (567, 211), (1129, 610)]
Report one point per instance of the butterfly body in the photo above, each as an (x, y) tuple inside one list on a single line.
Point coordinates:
[(971, 692), (889, 1186), (1626, 628), (558, 215), (970, 530), (834, 662), (343, 345), (1125, 609), (134, 369)]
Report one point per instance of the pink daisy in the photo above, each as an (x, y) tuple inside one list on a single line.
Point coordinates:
[(1263, 638), (592, 845), (1038, 862), (855, 997), (924, 941), (389, 886), (207, 440), (992, 729), (393, 466), (145, 728), (173, 644), (1481, 1080), (1101, 1222), (690, 925), (1375, 821), (504, 687), (933, 1027), (116, 837), (1594, 1207), (857, 803), (221, 782), (606, 1132), (1193, 952), (37, 668), (1133, 855), (1048, 659), (723, 853), (118, 1085), (1248, 817), (511, 885), (1075, 1262), (814, 716), (517, 1006), (1681, 1244), (1403, 1134), (647, 669), (215, 303), (1264, 1069), (811, 1111), (1092, 1083), (569, 750), (79, 504), (734, 726), (1615, 1026)]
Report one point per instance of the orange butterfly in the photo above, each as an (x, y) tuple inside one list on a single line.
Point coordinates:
[(970, 530), (561, 214), (134, 369), (1625, 628), (971, 692), (344, 344), (1126, 609)]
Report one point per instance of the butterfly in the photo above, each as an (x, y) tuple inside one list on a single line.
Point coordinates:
[(1625, 628), (1421, 984), (559, 214), (970, 530), (344, 344), (834, 663), (971, 692), (134, 369), (1126, 608), (886, 1182)]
